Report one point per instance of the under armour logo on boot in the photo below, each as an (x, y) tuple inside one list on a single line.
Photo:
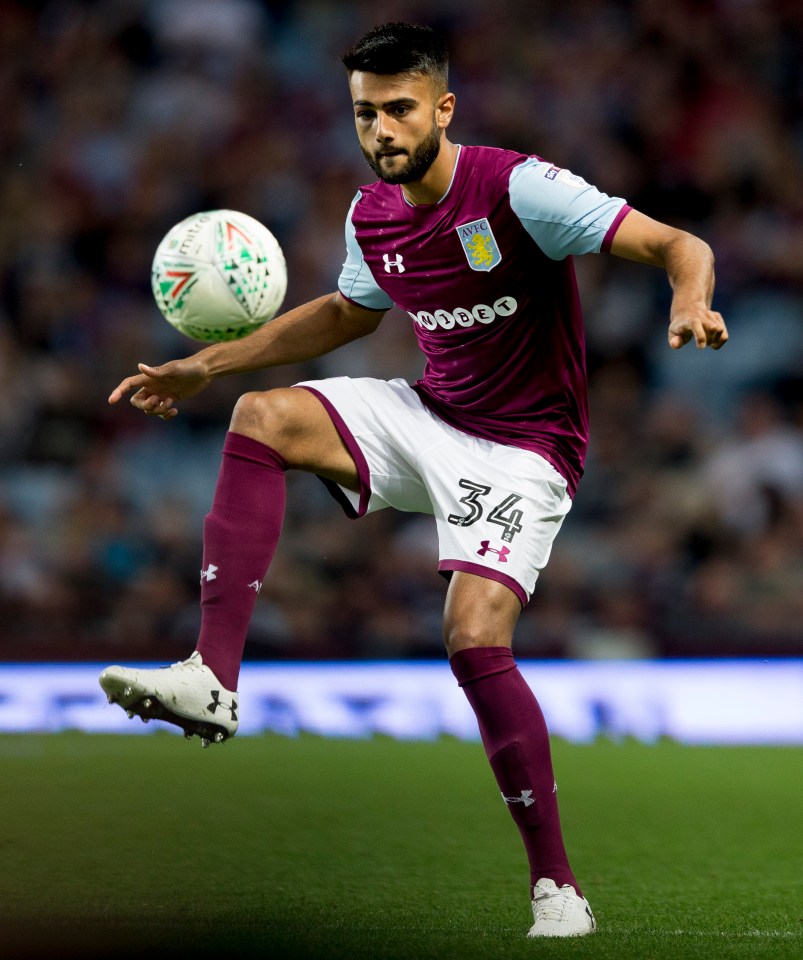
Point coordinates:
[(217, 702)]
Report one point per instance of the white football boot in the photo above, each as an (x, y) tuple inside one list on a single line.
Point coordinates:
[(186, 693), (559, 912)]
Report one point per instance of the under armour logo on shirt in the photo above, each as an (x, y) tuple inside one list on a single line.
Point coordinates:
[(397, 263), (209, 573)]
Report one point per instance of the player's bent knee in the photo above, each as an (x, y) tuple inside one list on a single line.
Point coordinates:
[(267, 415), (295, 424)]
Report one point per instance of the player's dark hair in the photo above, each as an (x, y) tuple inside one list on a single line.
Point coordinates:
[(401, 48)]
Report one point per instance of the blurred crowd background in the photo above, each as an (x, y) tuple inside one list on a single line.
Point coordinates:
[(121, 117)]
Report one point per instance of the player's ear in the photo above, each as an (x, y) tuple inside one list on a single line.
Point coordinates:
[(444, 109)]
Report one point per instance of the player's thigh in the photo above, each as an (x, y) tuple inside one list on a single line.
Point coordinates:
[(479, 612), (296, 424), (386, 428)]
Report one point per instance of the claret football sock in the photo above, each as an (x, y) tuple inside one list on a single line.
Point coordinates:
[(516, 741), (240, 536)]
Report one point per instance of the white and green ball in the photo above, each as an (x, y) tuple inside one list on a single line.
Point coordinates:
[(219, 275)]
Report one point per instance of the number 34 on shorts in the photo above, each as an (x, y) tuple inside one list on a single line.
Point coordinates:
[(503, 513), (503, 534)]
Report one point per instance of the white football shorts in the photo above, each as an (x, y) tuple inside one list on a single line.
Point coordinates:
[(497, 508)]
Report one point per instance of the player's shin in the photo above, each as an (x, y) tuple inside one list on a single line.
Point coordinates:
[(516, 742), (240, 536)]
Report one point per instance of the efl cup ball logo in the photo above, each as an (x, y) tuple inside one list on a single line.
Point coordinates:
[(219, 276)]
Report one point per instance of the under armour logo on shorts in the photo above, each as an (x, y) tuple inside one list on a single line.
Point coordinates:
[(485, 547)]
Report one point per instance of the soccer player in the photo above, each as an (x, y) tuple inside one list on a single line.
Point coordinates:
[(476, 245)]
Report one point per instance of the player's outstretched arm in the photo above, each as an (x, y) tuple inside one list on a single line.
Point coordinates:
[(689, 264), (303, 333), (158, 388)]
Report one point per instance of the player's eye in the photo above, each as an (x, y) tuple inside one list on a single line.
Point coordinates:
[(365, 114)]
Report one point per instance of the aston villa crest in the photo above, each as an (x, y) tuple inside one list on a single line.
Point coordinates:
[(479, 244)]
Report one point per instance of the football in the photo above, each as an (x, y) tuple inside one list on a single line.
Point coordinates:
[(218, 275)]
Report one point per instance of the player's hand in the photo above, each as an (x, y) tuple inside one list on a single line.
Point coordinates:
[(706, 327), (159, 388)]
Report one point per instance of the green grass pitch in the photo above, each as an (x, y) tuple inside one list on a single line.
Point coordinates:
[(279, 848)]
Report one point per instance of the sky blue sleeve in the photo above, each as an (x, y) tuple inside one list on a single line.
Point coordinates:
[(563, 214), (356, 281)]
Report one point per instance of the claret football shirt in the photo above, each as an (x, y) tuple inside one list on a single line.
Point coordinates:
[(486, 276)]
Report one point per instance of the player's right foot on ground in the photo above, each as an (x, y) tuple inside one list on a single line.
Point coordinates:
[(560, 912), (187, 694)]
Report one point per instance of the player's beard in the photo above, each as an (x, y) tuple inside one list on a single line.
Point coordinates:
[(418, 162)]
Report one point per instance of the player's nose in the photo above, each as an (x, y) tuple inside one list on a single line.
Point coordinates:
[(384, 129)]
